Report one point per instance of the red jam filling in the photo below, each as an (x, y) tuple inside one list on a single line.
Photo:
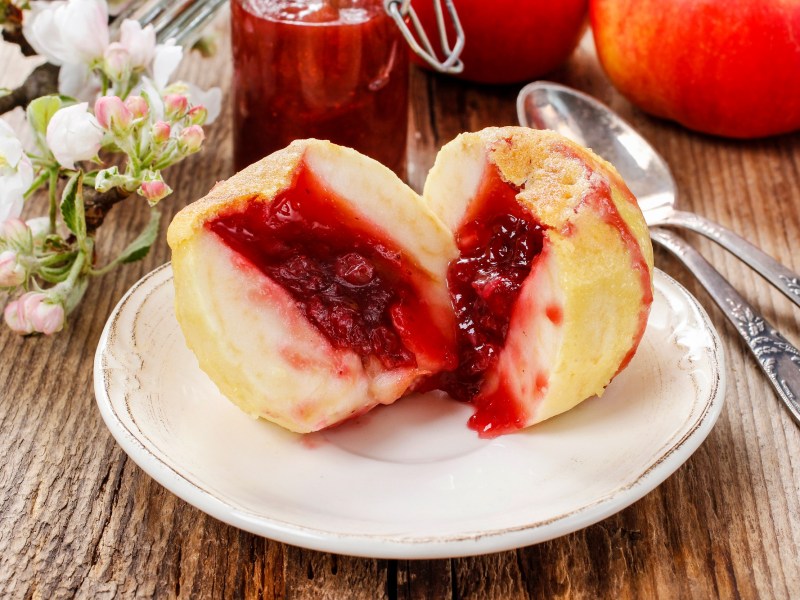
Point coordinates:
[(498, 242), (357, 288)]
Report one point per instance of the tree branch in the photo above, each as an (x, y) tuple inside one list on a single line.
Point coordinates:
[(43, 80), (98, 205), (14, 36)]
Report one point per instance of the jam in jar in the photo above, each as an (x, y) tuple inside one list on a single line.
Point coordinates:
[(327, 69)]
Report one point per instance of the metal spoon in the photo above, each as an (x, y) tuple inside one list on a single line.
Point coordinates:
[(546, 105), (581, 118)]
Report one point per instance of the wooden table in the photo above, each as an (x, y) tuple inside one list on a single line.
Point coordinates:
[(78, 518)]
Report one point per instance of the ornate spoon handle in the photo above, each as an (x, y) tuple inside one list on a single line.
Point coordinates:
[(777, 357), (784, 279)]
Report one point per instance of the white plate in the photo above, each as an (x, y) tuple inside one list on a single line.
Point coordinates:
[(409, 480)]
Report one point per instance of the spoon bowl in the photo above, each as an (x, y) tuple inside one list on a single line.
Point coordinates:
[(581, 118)]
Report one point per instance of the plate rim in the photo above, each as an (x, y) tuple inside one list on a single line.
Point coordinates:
[(385, 546)]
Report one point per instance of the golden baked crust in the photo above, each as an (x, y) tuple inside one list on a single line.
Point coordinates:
[(261, 180)]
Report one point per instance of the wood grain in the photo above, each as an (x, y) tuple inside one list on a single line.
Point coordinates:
[(79, 519)]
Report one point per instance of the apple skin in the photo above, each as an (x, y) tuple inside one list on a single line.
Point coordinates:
[(726, 68), (507, 41)]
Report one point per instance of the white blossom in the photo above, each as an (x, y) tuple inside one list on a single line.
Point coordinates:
[(68, 32), (117, 63), (166, 59), (73, 134), (210, 98), (78, 81), (139, 42), (16, 173)]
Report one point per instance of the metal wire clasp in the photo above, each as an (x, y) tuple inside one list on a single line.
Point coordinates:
[(400, 9)]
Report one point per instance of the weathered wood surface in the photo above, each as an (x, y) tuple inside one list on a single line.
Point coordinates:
[(79, 519)]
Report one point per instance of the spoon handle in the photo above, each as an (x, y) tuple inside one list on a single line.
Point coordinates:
[(777, 357), (770, 269)]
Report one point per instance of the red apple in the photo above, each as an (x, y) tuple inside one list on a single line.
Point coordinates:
[(726, 68), (508, 40)]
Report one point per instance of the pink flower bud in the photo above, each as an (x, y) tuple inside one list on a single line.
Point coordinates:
[(112, 113), (138, 106), (198, 114), (12, 273), (153, 191), (45, 316), (34, 312), (15, 318), (17, 234), (117, 61), (161, 131), (175, 106), (191, 138)]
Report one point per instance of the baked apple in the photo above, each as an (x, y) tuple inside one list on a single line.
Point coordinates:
[(553, 283), (311, 286), (315, 285)]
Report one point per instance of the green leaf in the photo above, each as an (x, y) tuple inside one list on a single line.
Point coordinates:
[(41, 110), (139, 247), (72, 207)]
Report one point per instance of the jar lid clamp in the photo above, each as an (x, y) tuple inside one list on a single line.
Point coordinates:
[(420, 44)]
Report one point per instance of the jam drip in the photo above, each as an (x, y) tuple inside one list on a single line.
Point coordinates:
[(352, 286), (498, 244)]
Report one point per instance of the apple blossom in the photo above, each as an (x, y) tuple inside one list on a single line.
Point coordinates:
[(161, 131), (112, 114), (78, 81), (139, 42), (10, 146), (15, 318), (35, 312), (175, 106), (142, 120), (12, 273), (198, 114), (138, 106), (211, 99), (166, 59), (16, 173), (191, 139), (155, 190), (45, 316), (68, 32), (15, 233), (73, 134), (117, 62)]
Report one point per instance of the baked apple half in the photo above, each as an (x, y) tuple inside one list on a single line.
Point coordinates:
[(552, 286), (311, 286)]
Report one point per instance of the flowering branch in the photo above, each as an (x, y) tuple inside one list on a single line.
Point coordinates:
[(43, 80), (114, 102)]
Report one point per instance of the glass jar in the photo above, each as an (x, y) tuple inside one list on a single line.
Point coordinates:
[(328, 69)]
